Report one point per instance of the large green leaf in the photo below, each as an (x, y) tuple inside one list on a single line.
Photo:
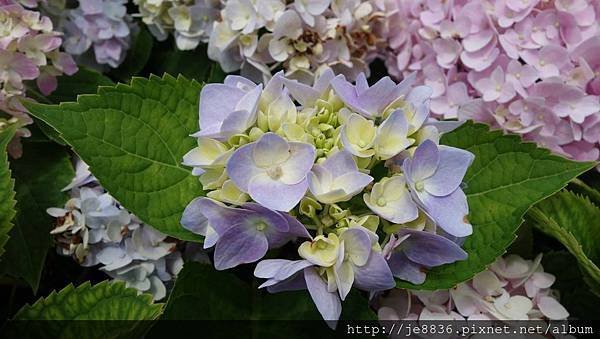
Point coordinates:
[(103, 301), (118, 311), (575, 221), (201, 292), (40, 174), (7, 193), (85, 81), (134, 138), (507, 177)]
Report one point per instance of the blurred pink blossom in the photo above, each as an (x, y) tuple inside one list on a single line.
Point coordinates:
[(529, 67), (29, 50)]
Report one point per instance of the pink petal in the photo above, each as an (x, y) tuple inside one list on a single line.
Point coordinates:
[(46, 83), (477, 41), (552, 309)]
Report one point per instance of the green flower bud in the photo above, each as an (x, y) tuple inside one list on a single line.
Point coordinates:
[(309, 207), (238, 140), (363, 163), (262, 121), (369, 221), (337, 213), (343, 223), (325, 127), (327, 221), (255, 133), (213, 178)]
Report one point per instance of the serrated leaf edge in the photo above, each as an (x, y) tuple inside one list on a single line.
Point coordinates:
[(47, 301)]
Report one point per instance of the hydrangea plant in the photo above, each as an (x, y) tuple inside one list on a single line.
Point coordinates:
[(278, 161), (308, 167)]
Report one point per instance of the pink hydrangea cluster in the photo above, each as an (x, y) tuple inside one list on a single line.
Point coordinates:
[(513, 288), (29, 50), (103, 25), (527, 66)]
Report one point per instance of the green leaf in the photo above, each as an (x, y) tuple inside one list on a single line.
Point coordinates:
[(123, 311), (134, 138), (201, 292), (7, 193), (137, 56), (579, 186), (40, 174), (85, 81), (507, 177), (103, 301), (573, 220)]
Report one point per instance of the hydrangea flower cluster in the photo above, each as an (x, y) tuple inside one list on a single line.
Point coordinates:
[(29, 50), (101, 24), (527, 66), (354, 171), (511, 289), (95, 230), (190, 21), (299, 36)]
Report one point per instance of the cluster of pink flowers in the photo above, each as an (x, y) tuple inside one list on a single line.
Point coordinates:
[(512, 288), (527, 66), (29, 50), (101, 25)]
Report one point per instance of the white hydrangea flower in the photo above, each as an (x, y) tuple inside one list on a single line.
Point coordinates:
[(96, 230), (301, 36), (190, 21)]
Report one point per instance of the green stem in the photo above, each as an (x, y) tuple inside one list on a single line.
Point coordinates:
[(318, 223), (538, 217)]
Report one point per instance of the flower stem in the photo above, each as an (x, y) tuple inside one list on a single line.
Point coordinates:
[(318, 223)]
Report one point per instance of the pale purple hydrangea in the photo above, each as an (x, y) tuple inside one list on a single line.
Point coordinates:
[(102, 27), (411, 252), (434, 175), (531, 62), (228, 109), (512, 288), (357, 263), (270, 165), (242, 235), (293, 157)]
